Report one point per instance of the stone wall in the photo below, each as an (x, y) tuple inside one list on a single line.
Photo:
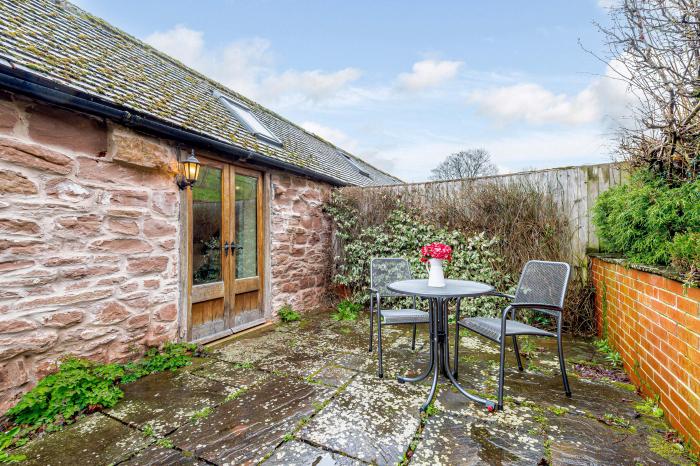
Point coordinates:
[(88, 241), (654, 322), (300, 249)]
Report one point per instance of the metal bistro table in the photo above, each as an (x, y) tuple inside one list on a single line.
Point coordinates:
[(439, 345)]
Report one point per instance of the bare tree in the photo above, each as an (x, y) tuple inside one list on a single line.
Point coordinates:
[(655, 48), (464, 164)]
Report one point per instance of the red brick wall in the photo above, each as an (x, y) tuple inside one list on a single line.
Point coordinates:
[(654, 322)]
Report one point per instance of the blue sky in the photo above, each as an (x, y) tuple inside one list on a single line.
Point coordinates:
[(404, 84)]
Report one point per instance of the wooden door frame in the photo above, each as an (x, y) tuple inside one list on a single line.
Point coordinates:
[(185, 251)]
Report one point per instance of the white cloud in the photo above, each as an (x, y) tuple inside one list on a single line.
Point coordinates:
[(336, 136), (535, 104), (248, 66), (605, 97), (428, 73)]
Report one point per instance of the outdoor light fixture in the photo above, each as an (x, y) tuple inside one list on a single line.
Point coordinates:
[(189, 170)]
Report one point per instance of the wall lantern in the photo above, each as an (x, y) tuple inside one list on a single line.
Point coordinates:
[(189, 170)]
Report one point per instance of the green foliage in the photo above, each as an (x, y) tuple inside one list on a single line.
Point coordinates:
[(165, 443), (202, 413), (6, 440), (612, 356), (287, 314), (650, 407), (402, 235), (651, 222), (347, 310), (80, 384)]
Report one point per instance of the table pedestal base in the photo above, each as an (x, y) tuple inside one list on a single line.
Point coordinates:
[(440, 354)]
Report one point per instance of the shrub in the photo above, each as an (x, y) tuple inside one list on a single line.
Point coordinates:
[(347, 310), (402, 235), (287, 314), (80, 384), (651, 222)]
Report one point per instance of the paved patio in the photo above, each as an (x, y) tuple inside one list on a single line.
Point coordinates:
[(305, 393)]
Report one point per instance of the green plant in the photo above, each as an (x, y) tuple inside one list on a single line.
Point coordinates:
[(288, 437), (347, 310), (6, 440), (287, 314), (201, 414), (650, 407), (80, 384), (148, 431), (650, 221), (236, 394), (165, 443), (611, 355)]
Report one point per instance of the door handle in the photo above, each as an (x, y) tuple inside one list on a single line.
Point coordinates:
[(226, 248), (235, 247)]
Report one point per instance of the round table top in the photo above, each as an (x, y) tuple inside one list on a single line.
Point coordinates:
[(452, 288)]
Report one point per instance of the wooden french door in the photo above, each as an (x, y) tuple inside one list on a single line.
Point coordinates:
[(226, 244)]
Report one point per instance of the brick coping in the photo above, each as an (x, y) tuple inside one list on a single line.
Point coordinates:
[(666, 272)]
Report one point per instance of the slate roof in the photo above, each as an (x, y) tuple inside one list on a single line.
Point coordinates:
[(61, 42)]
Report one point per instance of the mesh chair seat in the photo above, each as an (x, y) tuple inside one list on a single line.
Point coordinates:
[(490, 328), (404, 316)]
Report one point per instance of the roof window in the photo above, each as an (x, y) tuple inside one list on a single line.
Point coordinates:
[(246, 118)]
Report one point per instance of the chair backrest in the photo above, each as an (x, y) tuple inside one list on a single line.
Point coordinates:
[(385, 270), (543, 283)]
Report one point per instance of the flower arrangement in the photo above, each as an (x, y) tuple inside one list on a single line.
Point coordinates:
[(435, 251)]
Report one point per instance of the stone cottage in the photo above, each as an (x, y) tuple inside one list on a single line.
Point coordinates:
[(104, 248)]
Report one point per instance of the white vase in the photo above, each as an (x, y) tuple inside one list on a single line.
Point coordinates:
[(436, 276)]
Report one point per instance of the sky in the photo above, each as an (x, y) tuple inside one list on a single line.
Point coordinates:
[(403, 84)]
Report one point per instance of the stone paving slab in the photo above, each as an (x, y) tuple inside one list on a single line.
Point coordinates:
[(580, 441), (447, 440), (296, 453), (334, 375), (247, 428), (372, 420), (233, 376), (95, 439), (157, 456), (513, 434), (167, 400)]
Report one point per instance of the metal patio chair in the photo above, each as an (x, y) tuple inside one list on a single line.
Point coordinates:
[(384, 271), (542, 288)]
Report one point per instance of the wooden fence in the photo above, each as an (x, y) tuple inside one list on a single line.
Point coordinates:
[(575, 190)]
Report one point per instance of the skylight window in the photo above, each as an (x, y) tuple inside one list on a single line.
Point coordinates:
[(249, 121), (360, 170)]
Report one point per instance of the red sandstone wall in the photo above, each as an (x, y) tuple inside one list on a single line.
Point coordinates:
[(654, 323), (88, 242), (300, 249)]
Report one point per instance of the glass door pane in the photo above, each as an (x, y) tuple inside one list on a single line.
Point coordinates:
[(206, 221), (246, 226)]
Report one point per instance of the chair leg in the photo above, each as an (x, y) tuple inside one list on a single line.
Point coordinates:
[(562, 363), (413, 344), (501, 373), (380, 374), (456, 362), (517, 353), (371, 328)]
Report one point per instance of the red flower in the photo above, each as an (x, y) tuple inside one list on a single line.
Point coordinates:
[(436, 251)]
